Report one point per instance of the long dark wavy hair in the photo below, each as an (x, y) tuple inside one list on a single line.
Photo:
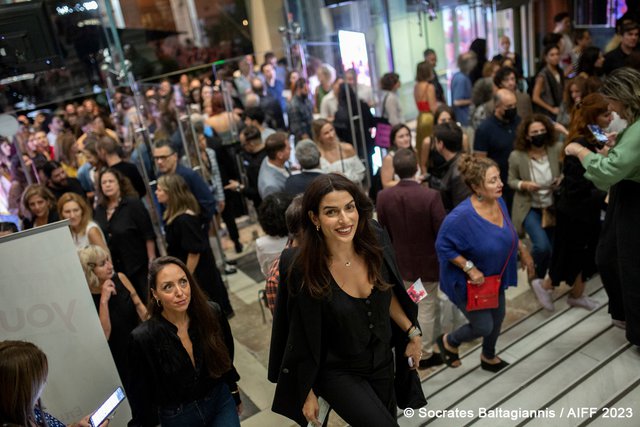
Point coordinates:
[(201, 317), (313, 257)]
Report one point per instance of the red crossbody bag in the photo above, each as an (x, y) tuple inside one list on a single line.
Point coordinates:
[(487, 295)]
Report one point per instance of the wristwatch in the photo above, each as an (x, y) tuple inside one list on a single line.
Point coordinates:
[(468, 266)]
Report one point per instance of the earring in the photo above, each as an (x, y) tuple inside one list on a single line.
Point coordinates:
[(480, 198), (158, 302), (317, 228)]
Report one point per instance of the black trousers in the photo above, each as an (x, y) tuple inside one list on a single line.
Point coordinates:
[(362, 397), (618, 256)]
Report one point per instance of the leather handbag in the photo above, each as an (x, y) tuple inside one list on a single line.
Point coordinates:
[(487, 295)]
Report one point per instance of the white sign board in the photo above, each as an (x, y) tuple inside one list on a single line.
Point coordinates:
[(44, 299)]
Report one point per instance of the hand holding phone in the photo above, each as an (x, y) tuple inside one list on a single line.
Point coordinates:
[(599, 135), (107, 408)]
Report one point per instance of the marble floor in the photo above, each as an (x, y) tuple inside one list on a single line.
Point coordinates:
[(546, 357)]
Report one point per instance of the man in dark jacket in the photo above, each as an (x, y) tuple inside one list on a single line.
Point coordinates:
[(412, 215)]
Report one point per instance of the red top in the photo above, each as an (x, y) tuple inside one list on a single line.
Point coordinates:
[(423, 106)]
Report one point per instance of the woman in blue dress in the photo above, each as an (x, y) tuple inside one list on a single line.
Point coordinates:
[(477, 240)]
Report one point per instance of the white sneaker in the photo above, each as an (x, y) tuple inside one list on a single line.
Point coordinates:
[(544, 295), (583, 301), (619, 323)]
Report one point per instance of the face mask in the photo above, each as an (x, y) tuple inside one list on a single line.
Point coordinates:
[(510, 114), (539, 140)]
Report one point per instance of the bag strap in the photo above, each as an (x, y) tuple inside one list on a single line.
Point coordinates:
[(513, 241), (384, 104)]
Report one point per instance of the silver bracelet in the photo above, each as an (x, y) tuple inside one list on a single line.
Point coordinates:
[(414, 333)]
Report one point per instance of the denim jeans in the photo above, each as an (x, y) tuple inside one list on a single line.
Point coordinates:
[(541, 238), (482, 323), (217, 409)]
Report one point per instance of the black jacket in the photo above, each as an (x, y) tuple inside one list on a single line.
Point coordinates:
[(295, 354), (161, 372)]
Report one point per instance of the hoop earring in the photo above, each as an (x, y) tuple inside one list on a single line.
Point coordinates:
[(158, 302), (479, 197)]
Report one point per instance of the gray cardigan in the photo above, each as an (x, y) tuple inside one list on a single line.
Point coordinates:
[(520, 170)]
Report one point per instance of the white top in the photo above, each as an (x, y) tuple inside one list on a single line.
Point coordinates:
[(82, 241), (351, 167), (328, 105), (268, 248), (541, 175)]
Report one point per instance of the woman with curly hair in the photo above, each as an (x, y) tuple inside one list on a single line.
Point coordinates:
[(534, 172), (126, 224)]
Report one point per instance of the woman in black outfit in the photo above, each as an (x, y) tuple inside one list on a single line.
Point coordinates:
[(182, 357), (578, 207), (117, 302), (186, 239), (340, 307), (126, 224)]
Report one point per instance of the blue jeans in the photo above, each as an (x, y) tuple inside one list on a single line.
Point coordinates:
[(216, 409), (541, 238), (482, 323)]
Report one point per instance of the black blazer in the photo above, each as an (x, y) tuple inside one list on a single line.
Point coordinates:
[(296, 347)]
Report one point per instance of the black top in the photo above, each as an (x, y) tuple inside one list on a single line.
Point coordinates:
[(162, 372), (356, 327), (297, 184), (453, 190), (578, 198), (614, 60), (127, 232), (27, 223), (73, 186), (131, 171), (252, 163), (438, 87), (185, 235), (124, 318)]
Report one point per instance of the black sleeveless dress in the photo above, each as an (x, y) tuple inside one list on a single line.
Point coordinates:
[(124, 318)]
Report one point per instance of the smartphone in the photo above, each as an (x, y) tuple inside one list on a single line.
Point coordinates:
[(107, 408), (598, 134), (323, 411)]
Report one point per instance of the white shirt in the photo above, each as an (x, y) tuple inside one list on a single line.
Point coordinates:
[(268, 248), (351, 167), (541, 175)]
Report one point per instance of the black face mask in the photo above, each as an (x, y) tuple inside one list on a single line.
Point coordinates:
[(510, 115), (539, 140)]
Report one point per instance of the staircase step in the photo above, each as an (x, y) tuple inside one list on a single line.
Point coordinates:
[(623, 411), (529, 360), (534, 392), (593, 389), (533, 345)]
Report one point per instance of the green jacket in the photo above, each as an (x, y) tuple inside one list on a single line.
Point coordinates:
[(622, 162)]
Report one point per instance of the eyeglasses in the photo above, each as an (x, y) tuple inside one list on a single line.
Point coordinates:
[(163, 158)]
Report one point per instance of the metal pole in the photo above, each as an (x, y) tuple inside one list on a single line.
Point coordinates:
[(156, 221), (184, 140)]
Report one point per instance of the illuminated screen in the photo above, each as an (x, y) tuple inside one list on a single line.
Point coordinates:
[(353, 51)]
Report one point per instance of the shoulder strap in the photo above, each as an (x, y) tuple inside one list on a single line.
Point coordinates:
[(513, 241), (384, 104)]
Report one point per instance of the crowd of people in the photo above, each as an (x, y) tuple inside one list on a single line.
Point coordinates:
[(512, 168)]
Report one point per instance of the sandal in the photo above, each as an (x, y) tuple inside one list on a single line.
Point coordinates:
[(449, 357)]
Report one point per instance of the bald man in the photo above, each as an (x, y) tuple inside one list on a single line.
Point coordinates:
[(495, 136)]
